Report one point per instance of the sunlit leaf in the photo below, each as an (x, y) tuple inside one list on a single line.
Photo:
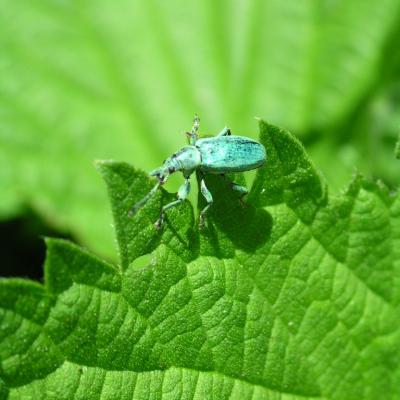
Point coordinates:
[(294, 296)]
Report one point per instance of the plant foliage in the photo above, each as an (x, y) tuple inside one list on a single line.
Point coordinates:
[(294, 296)]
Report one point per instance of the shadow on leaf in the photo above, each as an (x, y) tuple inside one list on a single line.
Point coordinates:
[(231, 223)]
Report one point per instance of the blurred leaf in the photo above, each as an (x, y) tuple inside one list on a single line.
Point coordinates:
[(122, 80), (364, 142), (299, 300)]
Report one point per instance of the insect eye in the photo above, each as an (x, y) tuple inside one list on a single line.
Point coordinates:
[(171, 170)]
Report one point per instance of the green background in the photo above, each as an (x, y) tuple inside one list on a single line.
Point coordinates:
[(81, 81)]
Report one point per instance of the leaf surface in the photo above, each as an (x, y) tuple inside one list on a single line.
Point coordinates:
[(295, 296)]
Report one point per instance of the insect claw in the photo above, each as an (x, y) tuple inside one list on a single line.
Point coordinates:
[(158, 224), (202, 224), (243, 204)]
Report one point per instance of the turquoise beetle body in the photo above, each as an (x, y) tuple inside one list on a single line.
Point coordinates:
[(224, 153), (220, 155)]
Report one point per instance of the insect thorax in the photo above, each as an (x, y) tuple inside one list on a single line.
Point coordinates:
[(186, 159)]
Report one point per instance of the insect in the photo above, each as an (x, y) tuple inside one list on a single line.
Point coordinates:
[(221, 154)]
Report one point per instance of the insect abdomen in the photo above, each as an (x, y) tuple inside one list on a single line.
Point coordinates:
[(230, 154)]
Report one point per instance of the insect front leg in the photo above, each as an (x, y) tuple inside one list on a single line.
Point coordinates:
[(225, 132), (182, 194), (241, 189), (207, 195), (143, 201)]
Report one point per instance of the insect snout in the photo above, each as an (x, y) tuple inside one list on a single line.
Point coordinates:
[(161, 174)]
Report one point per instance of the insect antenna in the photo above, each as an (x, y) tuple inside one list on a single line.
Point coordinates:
[(196, 124), (192, 135)]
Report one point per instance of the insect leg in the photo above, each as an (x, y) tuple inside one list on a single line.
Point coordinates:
[(182, 194), (207, 195), (241, 189), (142, 202), (225, 132)]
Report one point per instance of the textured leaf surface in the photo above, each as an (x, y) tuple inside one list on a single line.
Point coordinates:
[(295, 296), (121, 80)]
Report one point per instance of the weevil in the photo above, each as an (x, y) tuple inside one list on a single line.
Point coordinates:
[(221, 154)]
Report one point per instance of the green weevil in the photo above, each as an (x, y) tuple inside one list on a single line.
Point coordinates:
[(221, 154)]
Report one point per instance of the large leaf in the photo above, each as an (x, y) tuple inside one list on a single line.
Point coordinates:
[(365, 141), (122, 79), (294, 296)]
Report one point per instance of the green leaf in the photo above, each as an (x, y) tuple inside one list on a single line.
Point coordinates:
[(290, 177), (365, 141), (294, 296), (122, 80), (137, 237)]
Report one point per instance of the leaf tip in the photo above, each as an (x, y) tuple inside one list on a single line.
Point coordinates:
[(53, 242), (268, 128), (101, 165)]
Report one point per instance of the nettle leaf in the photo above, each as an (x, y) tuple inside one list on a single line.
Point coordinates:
[(294, 296), (122, 79)]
